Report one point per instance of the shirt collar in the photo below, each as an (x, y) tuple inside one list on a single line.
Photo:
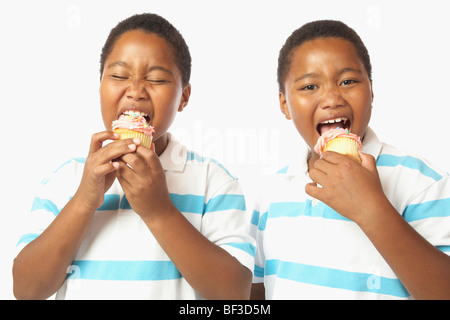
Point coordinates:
[(174, 156), (371, 145)]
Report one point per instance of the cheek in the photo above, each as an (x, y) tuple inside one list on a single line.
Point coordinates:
[(302, 110), (108, 104), (165, 109), (362, 109), (302, 113)]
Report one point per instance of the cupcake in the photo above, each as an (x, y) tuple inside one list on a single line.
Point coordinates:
[(133, 124), (341, 141)]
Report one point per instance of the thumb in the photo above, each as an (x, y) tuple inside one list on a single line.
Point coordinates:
[(368, 161)]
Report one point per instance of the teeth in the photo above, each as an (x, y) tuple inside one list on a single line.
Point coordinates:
[(335, 120), (139, 113)]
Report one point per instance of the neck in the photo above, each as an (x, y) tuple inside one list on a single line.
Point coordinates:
[(161, 144)]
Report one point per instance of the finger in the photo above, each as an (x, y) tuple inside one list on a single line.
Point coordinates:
[(117, 149), (104, 169), (333, 157), (313, 190), (368, 161), (98, 138), (324, 165), (134, 161), (126, 175), (317, 175), (150, 157)]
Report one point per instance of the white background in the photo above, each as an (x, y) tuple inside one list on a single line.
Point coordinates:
[(50, 78)]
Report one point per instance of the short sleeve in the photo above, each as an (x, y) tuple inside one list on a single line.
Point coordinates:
[(52, 195), (429, 214), (226, 223)]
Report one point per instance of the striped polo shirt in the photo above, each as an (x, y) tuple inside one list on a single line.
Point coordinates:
[(119, 258), (306, 250)]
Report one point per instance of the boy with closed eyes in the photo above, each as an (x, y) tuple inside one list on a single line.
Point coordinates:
[(129, 222)]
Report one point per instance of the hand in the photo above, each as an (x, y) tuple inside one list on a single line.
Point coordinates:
[(99, 169), (143, 181), (350, 189)]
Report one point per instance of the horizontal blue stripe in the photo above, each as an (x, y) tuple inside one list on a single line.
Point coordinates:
[(111, 202), (27, 238), (124, 270), (244, 246), (226, 202), (124, 204), (296, 209), (387, 160), (259, 271), (183, 202), (188, 202), (255, 218), (263, 221), (429, 209), (443, 248), (44, 204), (334, 278)]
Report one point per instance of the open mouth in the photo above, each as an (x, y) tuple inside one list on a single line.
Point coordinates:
[(327, 125), (137, 113)]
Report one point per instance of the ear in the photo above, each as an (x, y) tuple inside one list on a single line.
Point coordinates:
[(371, 89), (185, 97), (283, 105)]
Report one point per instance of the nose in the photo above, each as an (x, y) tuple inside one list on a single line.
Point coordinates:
[(137, 91), (331, 98)]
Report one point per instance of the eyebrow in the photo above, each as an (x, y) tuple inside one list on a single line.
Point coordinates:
[(315, 75), (342, 71), (127, 66), (307, 75), (155, 68), (118, 63)]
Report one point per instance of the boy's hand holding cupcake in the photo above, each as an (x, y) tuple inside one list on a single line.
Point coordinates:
[(143, 181), (348, 178), (140, 173), (99, 170), (133, 130)]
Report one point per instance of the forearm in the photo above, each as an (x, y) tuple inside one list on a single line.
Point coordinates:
[(422, 269), (209, 269), (258, 292), (40, 268)]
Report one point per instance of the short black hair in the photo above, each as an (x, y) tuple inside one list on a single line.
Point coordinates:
[(152, 23), (314, 30)]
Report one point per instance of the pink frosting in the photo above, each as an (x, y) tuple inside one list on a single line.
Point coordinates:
[(334, 133), (133, 122)]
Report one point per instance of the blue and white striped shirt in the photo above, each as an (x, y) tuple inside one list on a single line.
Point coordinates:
[(306, 250), (119, 258)]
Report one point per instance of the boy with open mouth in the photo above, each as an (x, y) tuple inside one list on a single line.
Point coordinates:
[(132, 221), (328, 227)]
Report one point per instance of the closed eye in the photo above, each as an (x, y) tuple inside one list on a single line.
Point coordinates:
[(118, 77), (158, 81)]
